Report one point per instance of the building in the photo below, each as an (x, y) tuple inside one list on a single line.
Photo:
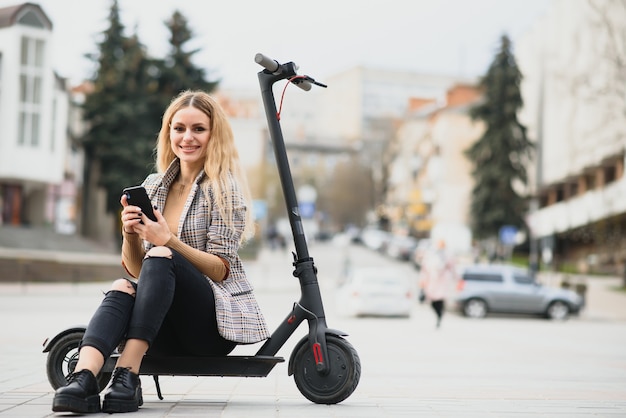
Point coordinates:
[(36, 185), (312, 159), (574, 89), (430, 183), (364, 107)]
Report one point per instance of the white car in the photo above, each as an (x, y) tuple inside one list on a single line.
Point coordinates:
[(375, 291), (375, 239)]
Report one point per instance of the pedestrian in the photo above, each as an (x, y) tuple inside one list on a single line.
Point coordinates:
[(437, 276), (189, 294)]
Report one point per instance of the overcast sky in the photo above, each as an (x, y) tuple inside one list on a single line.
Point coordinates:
[(452, 37)]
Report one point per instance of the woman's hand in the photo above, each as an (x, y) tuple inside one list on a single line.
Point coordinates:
[(131, 216), (136, 222)]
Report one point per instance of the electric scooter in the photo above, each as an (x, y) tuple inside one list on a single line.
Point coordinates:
[(325, 366)]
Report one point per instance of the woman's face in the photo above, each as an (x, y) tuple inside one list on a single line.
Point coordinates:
[(189, 135)]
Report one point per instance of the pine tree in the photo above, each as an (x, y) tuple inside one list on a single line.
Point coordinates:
[(500, 155), (123, 113), (121, 135), (178, 71)]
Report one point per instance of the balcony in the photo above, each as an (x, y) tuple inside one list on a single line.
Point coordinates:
[(589, 207)]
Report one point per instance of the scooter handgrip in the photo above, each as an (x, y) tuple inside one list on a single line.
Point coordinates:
[(266, 62)]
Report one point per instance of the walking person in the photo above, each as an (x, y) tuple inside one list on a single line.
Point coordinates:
[(191, 295), (437, 275)]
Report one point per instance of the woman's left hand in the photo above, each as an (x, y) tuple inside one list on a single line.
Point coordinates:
[(157, 233)]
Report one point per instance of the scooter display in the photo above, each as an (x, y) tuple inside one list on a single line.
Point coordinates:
[(325, 366)]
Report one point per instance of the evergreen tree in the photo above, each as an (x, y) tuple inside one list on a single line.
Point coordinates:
[(178, 71), (500, 155), (121, 133), (123, 112)]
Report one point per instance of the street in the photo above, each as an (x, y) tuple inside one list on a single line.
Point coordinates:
[(500, 366)]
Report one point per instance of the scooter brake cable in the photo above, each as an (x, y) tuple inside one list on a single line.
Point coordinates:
[(282, 96)]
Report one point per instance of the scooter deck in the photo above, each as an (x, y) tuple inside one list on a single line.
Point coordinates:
[(247, 366)]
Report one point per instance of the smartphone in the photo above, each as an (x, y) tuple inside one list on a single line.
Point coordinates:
[(137, 196)]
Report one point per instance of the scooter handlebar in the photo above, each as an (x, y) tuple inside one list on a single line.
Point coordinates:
[(274, 67), (266, 62)]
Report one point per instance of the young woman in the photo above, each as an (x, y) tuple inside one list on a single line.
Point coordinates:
[(191, 295), (437, 277)]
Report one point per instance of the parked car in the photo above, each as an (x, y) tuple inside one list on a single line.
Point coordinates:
[(374, 239), (422, 247), (376, 291), (401, 247), (508, 289)]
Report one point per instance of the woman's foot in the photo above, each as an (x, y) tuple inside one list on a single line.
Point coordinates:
[(80, 395), (124, 392)]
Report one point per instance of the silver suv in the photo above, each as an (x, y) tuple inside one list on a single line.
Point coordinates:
[(508, 289)]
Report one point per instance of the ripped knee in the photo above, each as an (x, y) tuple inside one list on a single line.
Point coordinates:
[(123, 285), (159, 252)]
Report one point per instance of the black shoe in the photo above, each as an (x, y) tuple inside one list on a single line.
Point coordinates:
[(124, 392), (81, 394)]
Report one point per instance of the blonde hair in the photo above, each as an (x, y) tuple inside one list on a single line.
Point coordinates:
[(222, 157)]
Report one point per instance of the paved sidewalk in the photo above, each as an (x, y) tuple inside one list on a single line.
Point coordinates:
[(497, 367)]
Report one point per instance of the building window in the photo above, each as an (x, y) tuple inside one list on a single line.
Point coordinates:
[(610, 174), (560, 195), (21, 139), (53, 125), (31, 87)]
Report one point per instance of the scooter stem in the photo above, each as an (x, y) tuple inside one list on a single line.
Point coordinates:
[(310, 307), (267, 80)]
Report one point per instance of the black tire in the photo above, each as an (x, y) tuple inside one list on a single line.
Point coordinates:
[(62, 359), (342, 378), (475, 308), (558, 311)]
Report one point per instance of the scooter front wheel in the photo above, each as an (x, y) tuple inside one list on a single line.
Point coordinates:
[(342, 377), (62, 359)]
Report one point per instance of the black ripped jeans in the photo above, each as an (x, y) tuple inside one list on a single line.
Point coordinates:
[(173, 310)]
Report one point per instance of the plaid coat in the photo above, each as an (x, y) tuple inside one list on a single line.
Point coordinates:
[(201, 226)]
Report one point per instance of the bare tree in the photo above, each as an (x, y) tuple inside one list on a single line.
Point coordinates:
[(347, 196), (608, 22)]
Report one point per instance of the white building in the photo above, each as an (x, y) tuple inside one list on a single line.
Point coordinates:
[(363, 107), (359, 100), (574, 89), (430, 183), (34, 117)]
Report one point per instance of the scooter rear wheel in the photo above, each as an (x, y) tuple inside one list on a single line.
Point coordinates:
[(341, 379), (62, 359)]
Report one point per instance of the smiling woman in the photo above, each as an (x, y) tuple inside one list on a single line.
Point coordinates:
[(191, 295), (189, 136), (196, 132)]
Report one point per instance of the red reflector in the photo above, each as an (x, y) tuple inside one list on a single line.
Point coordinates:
[(317, 353), (291, 319)]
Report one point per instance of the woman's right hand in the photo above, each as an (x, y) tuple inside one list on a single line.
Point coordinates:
[(158, 233)]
